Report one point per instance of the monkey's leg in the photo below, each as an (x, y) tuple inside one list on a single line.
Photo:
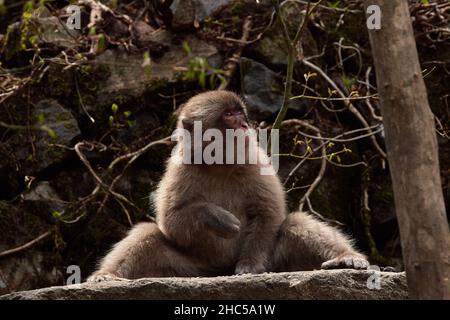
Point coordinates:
[(145, 252), (305, 244)]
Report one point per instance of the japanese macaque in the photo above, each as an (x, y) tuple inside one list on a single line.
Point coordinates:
[(224, 219)]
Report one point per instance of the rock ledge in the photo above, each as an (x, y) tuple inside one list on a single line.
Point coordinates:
[(321, 284)]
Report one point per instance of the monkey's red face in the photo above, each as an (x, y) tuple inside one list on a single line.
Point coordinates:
[(234, 118)]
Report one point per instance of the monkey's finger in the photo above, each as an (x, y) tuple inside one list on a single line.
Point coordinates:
[(225, 225), (330, 264), (225, 229), (363, 263)]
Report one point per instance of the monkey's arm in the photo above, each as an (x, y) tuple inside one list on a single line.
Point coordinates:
[(183, 223), (260, 238)]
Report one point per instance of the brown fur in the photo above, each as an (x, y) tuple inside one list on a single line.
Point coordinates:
[(223, 219)]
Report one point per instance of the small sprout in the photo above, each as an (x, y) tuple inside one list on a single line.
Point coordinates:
[(331, 92), (354, 94), (330, 145), (114, 108), (34, 40), (29, 180), (52, 134), (131, 123), (348, 82), (309, 75), (127, 113), (111, 120), (338, 159), (40, 118), (56, 214), (147, 64), (334, 5), (186, 48), (27, 15), (308, 148), (101, 44), (80, 56), (346, 150)]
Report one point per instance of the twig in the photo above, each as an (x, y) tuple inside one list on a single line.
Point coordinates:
[(292, 53), (314, 212), (99, 181), (330, 8), (26, 245), (136, 154), (300, 122), (319, 176), (369, 105), (370, 134), (334, 99), (230, 66), (80, 99), (347, 103)]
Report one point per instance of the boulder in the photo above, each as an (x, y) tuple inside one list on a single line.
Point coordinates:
[(128, 76), (263, 90)]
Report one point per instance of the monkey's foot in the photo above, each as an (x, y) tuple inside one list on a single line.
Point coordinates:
[(244, 268), (350, 261), (100, 277)]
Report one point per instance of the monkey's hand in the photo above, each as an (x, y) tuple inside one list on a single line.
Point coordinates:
[(104, 276), (245, 267), (349, 260), (222, 223)]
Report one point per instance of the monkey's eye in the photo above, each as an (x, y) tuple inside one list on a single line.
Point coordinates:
[(228, 114)]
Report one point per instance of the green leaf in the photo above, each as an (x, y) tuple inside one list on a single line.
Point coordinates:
[(114, 108)]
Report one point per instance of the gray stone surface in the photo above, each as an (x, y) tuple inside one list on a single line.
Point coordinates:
[(321, 284)]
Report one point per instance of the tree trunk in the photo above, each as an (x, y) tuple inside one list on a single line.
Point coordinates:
[(412, 152)]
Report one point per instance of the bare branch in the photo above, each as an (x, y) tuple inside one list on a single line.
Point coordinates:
[(26, 245)]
